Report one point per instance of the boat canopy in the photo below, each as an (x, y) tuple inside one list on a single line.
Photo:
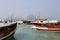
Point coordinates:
[(51, 21)]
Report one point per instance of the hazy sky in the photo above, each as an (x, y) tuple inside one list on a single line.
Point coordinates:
[(22, 8)]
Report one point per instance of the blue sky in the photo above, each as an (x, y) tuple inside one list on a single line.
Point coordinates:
[(22, 8)]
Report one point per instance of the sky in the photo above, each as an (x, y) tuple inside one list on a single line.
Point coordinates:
[(22, 8)]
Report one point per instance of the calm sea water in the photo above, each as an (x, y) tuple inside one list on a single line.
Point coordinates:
[(25, 32)]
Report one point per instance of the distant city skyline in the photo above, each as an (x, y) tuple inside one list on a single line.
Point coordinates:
[(23, 8)]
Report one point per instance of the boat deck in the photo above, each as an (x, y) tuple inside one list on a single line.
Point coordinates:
[(6, 24)]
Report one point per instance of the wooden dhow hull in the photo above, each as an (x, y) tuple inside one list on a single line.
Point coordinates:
[(7, 30), (46, 27)]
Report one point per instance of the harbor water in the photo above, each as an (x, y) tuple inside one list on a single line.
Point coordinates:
[(25, 32)]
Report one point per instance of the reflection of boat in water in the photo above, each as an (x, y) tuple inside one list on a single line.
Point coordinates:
[(11, 38), (7, 29), (46, 25)]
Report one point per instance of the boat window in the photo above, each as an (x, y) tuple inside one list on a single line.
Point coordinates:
[(41, 21)]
